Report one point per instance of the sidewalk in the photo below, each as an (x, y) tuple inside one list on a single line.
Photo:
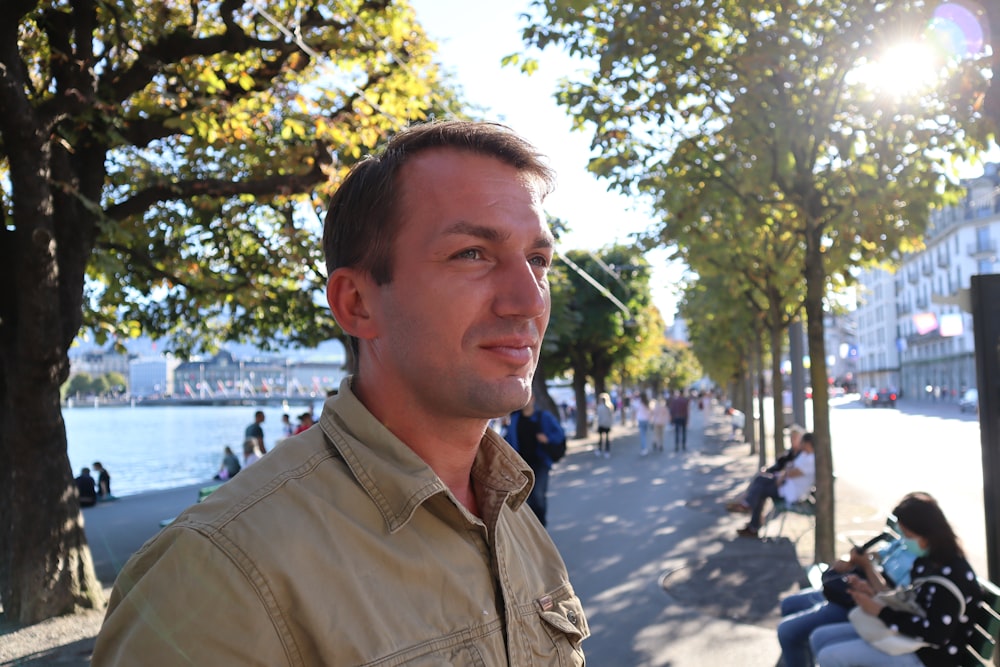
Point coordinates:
[(649, 545)]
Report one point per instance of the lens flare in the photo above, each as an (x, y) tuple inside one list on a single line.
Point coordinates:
[(957, 30)]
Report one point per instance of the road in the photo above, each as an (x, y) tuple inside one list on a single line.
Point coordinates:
[(884, 453)]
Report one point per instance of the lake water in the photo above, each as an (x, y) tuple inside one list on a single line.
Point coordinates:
[(150, 448)]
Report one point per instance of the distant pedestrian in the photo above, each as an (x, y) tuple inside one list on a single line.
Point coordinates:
[(286, 425), (739, 422), (605, 417), (255, 430), (678, 406), (642, 416), (251, 452), (103, 482), (230, 465), (87, 488), (531, 433), (659, 419), (305, 421)]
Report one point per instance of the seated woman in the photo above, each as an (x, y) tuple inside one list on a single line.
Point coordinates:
[(802, 613), (945, 629)]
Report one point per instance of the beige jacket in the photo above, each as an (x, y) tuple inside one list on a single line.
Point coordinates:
[(342, 547)]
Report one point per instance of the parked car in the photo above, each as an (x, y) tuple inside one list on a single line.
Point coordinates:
[(969, 401), (883, 398)]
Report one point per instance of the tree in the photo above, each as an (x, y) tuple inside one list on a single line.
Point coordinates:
[(162, 167), (589, 334), (81, 383), (116, 382), (851, 170)]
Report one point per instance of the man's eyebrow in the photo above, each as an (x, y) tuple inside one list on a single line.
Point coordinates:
[(487, 233)]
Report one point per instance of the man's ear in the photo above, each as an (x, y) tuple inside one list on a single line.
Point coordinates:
[(348, 292)]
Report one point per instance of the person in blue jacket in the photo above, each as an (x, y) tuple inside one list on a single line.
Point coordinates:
[(534, 434)]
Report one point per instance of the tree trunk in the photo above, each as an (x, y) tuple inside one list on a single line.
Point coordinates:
[(815, 274), (759, 408), (580, 393), (777, 388), (45, 564), (578, 364)]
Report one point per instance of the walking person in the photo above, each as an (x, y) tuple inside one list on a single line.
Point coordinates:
[(605, 410), (659, 419), (679, 405), (255, 430), (533, 433), (642, 417), (396, 532)]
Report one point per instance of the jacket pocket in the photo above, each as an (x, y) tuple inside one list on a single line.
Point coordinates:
[(565, 623)]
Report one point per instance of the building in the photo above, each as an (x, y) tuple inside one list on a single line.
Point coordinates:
[(932, 338), (152, 377)]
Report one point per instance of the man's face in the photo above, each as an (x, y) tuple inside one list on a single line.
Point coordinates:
[(461, 324)]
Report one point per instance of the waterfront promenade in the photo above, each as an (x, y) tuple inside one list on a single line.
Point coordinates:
[(649, 546)]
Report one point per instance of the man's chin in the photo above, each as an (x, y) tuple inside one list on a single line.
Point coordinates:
[(511, 399)]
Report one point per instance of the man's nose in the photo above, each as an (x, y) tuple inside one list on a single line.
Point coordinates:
[(521, 292)]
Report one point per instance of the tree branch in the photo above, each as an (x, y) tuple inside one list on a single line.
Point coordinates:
[(278, 184)]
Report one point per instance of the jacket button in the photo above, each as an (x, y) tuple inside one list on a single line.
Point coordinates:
[(571, 615)]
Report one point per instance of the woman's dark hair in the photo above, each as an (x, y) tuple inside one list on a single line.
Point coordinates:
[(920, 514)]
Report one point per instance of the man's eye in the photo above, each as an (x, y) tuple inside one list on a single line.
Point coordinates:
[(540, 261), (469, 253)]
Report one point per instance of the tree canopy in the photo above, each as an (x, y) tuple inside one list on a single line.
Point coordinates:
[(780, 94), (163, 167)]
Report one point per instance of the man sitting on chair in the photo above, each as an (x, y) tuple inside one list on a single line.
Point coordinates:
[(792, 485)]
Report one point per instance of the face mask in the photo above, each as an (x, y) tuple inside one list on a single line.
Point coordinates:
[(911, 545)]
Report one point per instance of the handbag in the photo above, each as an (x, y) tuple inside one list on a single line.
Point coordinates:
[(896, 561), (882, 637)]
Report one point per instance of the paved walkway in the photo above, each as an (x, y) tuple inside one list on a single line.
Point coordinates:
[(648, 542)]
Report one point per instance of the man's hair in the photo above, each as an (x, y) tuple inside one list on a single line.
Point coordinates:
[(362, 224), (808, 437)]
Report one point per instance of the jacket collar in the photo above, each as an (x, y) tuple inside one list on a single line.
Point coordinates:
[(398, 481)]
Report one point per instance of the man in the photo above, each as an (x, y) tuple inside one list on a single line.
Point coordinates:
[(792, 484), (103, 482), (87, 488), (678, 407), (795, 433), (305, 422), (255, 430), (531, 432), (395, 531)]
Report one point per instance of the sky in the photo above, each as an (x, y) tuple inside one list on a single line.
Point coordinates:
[(473, 37)]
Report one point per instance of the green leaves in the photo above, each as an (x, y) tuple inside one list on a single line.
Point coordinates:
[(219, 137)]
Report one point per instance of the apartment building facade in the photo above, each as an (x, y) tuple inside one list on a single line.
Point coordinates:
[(913, 334)]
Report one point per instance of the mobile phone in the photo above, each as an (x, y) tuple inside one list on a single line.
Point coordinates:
[(870, 543)]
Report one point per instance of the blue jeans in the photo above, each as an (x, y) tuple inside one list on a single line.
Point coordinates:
[(680, 433), (839, 646), (762, 487), (802, 613), (643, 435), (538, 499)]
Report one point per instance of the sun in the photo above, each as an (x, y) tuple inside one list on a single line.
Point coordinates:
[(902, 70)]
